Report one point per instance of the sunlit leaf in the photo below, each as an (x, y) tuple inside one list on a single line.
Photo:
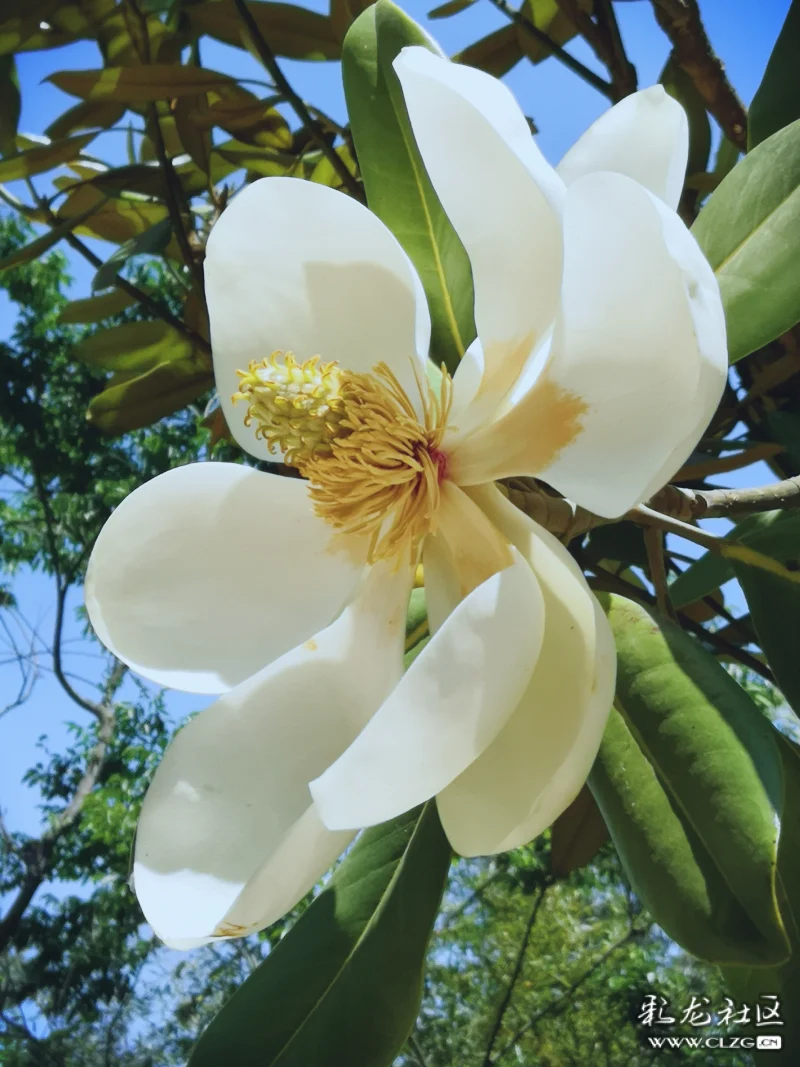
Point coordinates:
[(290, 31), (775, 533), (141, 400), (134, 346), (750, 232), (96, 308), (397, 187), (453, 7), (689, 782), (133, 85), (43, 158), (496, 53)]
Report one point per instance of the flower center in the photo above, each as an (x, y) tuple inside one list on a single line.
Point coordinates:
[(375, 468)]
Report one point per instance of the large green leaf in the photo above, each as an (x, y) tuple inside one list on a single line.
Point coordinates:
[(777, 100), (397, 187), (134, 346), (688, 779), (750, 983), (775, 610), (343, 986), (140, 84), (130, 402), (96, 308), (42, 158), (291, 31), (750, 232), (775, 533)]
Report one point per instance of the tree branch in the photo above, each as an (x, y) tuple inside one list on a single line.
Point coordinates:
[(554, 49), (681, 22), (267, 57), (604, 39), (501, 1011), (557, 1006)]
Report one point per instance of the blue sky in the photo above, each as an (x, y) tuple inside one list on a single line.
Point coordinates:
[(562, 106)]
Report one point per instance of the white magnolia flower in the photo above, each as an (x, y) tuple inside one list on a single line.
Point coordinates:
[(601, 358)]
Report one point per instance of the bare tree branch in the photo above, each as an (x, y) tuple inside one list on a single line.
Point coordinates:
[(691, 48), (523, 948), (271, 65)]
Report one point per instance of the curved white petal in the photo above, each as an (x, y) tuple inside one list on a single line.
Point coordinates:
[(502, 197), (228, 838), (637, 363), (296, 266), (645, 136), (540, 759), (448, 707), (210, 571)]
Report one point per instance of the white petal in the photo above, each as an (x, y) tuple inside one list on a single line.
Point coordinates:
[(228, 839), (540, 759), (501, 195), (448, 707), (637, 363), (645, 136), (212, 570), (296, 266)]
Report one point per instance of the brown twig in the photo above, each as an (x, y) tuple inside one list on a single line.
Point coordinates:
[(654, 544), (681, 22), (267, 57), (603, 38), (553, 48)]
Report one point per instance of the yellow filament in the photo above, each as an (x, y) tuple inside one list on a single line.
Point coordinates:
[(375, 468)]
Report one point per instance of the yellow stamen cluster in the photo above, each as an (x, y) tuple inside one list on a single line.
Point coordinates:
[(297, 407), (375, 468)]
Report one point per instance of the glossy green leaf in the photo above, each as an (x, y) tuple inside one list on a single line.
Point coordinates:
[(775, 533), (10, 105), (118, 219), (688, 779), (548, 16), (44, 243), (96, 308), (397, 187), (681, 88), (134, 346), (131, 402), (777, 99), (42, 158), (775, 610), (344, 985), (750, 983), (290, 31), (153, 241), (139, 84), (750, 233)]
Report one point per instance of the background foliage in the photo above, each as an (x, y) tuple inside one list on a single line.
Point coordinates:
[(543, 955)]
